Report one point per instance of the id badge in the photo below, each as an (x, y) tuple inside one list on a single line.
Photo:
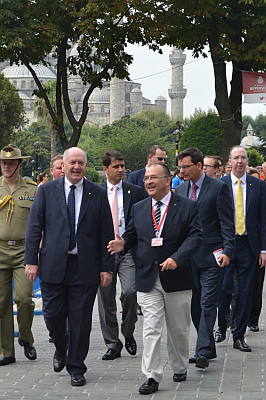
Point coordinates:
[(156, 242)]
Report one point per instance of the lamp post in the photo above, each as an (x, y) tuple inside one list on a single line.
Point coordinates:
[(177, 135), (33, 162), (37, 147)]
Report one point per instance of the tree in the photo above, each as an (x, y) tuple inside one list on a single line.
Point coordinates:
[(12, 115), (254, 158), (234, 30), (30, 30), (43, 115), (204, 132)]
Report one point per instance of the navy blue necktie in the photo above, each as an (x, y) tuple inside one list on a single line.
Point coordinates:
[(71, 217)]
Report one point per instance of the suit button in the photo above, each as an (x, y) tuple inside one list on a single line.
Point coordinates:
[(155, 263), (67, 236)]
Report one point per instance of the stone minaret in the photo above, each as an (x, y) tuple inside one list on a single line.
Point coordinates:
[(117, 99), (249, 135), (177, 92)]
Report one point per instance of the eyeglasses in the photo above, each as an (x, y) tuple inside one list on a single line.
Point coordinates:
[(186, 166), (153, 178), (208, 166), (161, 158)]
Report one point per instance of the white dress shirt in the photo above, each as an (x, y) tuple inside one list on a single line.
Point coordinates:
[(119, 193)]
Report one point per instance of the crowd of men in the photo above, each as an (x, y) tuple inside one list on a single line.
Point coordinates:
[(188, 246)]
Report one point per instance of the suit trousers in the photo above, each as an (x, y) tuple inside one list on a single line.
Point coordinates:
[(205, 301), (125, 270), (11, 264), (244, 262), (174, 307), (73, 300), (257, 295)]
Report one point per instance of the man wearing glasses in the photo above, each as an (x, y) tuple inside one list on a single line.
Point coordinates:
[(156, 155), (210, 166), (167, 231), (217, 219)]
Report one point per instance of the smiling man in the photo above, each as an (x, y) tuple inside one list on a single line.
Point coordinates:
[(73, 218), (166, 229)]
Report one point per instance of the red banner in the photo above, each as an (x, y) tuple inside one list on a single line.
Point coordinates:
[(254, 87)]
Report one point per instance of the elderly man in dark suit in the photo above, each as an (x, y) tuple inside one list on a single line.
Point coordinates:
[(121, 196), (73, 218), (167, 231), (216, 215), (156, 155), (248, 198)]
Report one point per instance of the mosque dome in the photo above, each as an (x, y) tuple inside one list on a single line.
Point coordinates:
[(23, 96), (99, 96), (21, 71), (136, 90), (161, 98)]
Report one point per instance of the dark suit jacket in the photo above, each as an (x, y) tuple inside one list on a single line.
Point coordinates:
[(95, 229), (182, 235), (131, 195), (136, 178), (255, 212), (217, 219)]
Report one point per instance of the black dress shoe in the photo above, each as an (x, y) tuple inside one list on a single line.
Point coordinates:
[(220, 336), (131, 346), (192, 360), (7, 360), (254, 328), (29, 350), (139, 312), (149, 386), (59, 361), (202, 362), (180, 377), (241, 345), (111, 354), (78, 380)]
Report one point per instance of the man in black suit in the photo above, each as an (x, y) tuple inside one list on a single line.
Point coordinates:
[(248, 197), (156, 155), (121, 195), (167, 231), (216, 215), (73, 218)]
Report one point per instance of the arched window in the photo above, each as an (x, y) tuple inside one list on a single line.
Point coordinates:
[(102, 108), (91, 108), (23, 85)]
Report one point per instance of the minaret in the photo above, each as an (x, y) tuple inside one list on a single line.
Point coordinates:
[(249, 135), (117, 99), (177, 92)]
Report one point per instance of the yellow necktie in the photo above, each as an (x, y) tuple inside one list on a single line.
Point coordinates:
[(240, 220)]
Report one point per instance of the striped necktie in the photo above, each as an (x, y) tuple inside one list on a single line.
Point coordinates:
[(114, 209), (157, 215)]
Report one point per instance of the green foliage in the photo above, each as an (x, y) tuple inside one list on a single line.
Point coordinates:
[(205, 132), (12, 115), (92, 175), (254, 158)]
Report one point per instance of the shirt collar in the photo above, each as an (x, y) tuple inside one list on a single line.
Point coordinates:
[(164, 200), (199, 181), (78, 185), (110, 185), (235, 179)]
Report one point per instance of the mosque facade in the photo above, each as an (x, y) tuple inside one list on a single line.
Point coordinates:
[(116, 99)]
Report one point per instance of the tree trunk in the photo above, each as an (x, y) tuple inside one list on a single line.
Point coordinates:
[(231, 134), (53, 142)]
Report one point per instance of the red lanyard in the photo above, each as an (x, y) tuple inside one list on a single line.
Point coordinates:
[(156, 225)]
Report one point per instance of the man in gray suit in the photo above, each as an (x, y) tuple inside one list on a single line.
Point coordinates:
[(126, 195)]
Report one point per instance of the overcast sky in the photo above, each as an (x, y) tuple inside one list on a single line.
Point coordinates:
[(153, 71)]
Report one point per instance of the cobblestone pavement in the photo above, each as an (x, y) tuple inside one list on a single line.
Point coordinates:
[(234, 375)]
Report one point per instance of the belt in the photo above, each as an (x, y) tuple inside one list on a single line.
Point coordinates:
[(241, 236), (13, 242)]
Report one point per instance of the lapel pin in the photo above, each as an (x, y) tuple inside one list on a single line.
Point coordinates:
[(128, 191), (89, 192), (174, 204)]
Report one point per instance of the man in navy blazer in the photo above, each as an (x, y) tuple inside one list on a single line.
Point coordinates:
[(127, 195), (70, 276), (156, 155), (250, 245), (216, 215), (167, 231)]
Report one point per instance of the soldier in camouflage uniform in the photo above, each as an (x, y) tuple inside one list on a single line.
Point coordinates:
[(16, 198)]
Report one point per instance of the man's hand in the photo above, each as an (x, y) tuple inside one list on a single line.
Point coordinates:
[(106, 278), (262, 260), (169, 263), (31, 272), (117, 245), (224, 260)]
